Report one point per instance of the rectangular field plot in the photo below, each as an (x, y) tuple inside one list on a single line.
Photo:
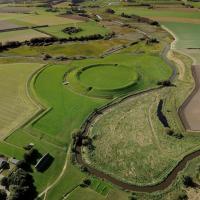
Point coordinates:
[(4, 25), (15, 104), (20, 35), (9, 9), (88, 28), (187, 34), (46, 20), (37, 19), (85, 194)]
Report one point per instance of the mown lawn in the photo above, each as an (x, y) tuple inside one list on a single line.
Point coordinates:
[(69, 110), (150, 69)]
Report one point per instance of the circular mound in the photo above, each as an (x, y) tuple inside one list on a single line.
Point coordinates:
[(102, 80), (107, 76)]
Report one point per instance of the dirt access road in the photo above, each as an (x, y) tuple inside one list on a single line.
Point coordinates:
[(190, 110)]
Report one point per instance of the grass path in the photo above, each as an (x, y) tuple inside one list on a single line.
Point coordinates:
[(58, 178)]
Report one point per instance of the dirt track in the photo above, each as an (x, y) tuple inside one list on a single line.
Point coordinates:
[(190, 110)]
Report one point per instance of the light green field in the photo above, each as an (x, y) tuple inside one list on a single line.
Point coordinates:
[(85, 194), (88, 28), (127, 150), (20, 35), (187, 34), (150, 68), (15, 105), (158, 12), (59, 122), (108, 76)]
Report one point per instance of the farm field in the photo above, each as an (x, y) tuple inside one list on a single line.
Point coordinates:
[(20, 35), (88, 28), (16, 105), (98, 118), (94, 48)]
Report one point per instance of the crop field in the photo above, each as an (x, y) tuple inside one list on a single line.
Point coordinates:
[(105, 110), (20, 35), (63, 102), (15, 104), (187, 34), (37, 19), (88, 28)]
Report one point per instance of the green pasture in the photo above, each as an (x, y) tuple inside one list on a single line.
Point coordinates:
[(85, 194), (108, 76), (88, 28), (187, 34), (15, 105), (142, 11), (150, 69), (91, 48)]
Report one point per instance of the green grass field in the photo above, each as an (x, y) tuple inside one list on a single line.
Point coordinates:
[(139, 63), (88, 28), (91, 48)]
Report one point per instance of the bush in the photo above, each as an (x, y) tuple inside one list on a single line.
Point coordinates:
[(3, 195), (188, 181)]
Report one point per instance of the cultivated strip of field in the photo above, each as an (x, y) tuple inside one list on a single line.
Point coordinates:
[(20, 35), (15, 105)]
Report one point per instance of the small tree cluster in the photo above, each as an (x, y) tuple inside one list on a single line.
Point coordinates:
[(171, 132)]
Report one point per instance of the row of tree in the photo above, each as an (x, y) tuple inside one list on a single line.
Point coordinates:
[(43, 41)]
